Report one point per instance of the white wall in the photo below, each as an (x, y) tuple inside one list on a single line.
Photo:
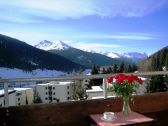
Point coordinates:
[(58, 91), (17, 96)]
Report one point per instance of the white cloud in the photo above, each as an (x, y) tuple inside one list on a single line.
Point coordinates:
[(31, 38), (129, 37), (129, 8), (115, 36), (61, 9), (93, 46)]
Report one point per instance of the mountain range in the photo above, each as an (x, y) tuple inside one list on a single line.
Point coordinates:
[(51, 55), (18, 54), (59, 47), (88, 59)]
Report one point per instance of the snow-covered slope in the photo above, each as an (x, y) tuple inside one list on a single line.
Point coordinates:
[(111, 54), (89, 50), (130, 55), (18, 73), (135, 55), (48, 45)]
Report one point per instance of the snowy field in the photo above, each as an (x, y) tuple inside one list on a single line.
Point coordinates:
[(18, 73)]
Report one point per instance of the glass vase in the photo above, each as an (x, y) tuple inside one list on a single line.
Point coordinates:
[(126, 110)]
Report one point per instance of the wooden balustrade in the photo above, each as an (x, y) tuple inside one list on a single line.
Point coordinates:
[(76, 113)]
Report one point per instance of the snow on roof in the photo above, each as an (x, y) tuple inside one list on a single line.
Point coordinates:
[(59, 83), (9, 92), (101, 97), (21, 89), (143, 78), (95, 89)]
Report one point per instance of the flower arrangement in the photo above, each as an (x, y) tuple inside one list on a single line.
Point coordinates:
[(124, 85)]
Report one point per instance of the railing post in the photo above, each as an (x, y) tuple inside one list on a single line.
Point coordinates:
[(104, 88), (6, 95)]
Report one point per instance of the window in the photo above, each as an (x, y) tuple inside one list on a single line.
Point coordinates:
[(53, 93), (18, 103), (45, 87), (67, 87), (50, 98), (58, 100), (54, 88), (54, 98), (46, 98), (50, 87), (50, 92), (68, 98), (18, 99), (46, 93), (19, 93), (68, 92)]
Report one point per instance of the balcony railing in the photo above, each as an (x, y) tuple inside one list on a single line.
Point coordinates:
[(78, 77), (154, 105)]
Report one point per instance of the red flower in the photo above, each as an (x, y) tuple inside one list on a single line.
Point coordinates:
[(120, 78), (140, 80), (130, 79), (125, 84), (110, 79)]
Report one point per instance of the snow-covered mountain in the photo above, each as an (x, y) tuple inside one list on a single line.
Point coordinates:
[(135, 55), (59, 45), (111, 54), (131, 55), (89, 50), (48, 45)]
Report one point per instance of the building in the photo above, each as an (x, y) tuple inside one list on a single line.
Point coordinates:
[(18, 96), (54, 92), (96, 91), (24, 96), (12, 98)]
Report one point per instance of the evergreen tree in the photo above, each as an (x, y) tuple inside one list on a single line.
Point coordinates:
[(122, 68), (95, 82), (129, 68), (109, 70), (134, 68), (104, 71), (94, 70), (79, 92), (154, 64), (115, 68), (37, 98), (166, 61), (157, 84)]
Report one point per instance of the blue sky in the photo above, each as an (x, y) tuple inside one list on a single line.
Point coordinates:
[(101, 25)]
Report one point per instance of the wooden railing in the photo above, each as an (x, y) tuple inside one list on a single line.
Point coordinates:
[(76, 113)]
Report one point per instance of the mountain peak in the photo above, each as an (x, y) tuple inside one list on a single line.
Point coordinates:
[(135, 55), (49, 45)]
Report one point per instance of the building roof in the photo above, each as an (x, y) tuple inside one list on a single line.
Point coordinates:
[(9, 92), (60, 83), (95, 89)]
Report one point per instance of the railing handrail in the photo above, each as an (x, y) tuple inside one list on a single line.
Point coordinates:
[(72, 77), (78, 77)]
